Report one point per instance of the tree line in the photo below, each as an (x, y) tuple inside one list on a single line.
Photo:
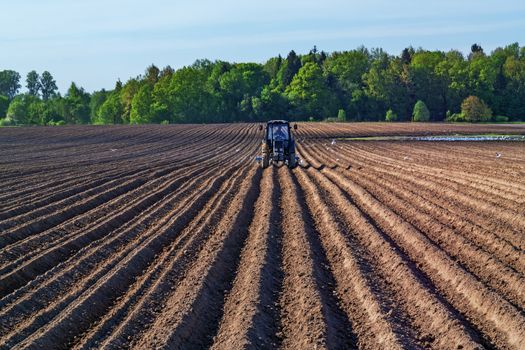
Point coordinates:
[(355, 85)]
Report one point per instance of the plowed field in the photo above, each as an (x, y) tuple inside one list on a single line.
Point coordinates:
[(174, 237)]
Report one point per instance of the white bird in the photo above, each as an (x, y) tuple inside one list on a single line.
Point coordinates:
[(405, 158), (333, 142), (498, 154)]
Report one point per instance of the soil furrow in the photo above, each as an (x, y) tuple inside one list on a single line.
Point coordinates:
[(251, 315), (370, 322), (97, 298), (387, 261), (311, 316), (499, 319), (133, 311), (192, 312)]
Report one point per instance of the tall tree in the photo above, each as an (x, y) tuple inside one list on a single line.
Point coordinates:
[(344, 73), (77, 105), (33, 83), (127, 93), (141, 106), (48, 85), (289, 69), (453, 73), (95, 103), (9, 83), (166, 71), (427, 84), (23, 110), (406, 56), (111, 111), (17, 110), (191, 97), (4, 104), (309, 95), (273, 65), (475, 48), (152, 74)]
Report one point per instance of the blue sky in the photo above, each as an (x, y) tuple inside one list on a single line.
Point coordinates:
[(96, 42)]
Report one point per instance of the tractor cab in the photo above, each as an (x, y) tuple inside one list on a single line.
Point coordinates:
[(278, 144), (278, 131)]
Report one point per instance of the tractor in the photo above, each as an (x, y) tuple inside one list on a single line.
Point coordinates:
[(278, 144)]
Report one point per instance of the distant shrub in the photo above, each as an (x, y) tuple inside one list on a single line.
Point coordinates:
[(391, 116), (421, 112), (165, 122), (331, 120), (311, 119), (475, 110), (341, 115), (455, 118), (6, 122), (54, 123), (500, 119)]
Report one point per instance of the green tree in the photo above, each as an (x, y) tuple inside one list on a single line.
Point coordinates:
[(111, 111), (421, 112), (344, 74), (18, 110), (482, 77), (348, 68), (128, 92), (476, 50), (363, 106), (387, 85), (427, 84), (48, 85), (273, 65), (152, 74), (35, 110), (95, 103), (271, 105), (474, 109), (406, 55), (454, 76), (235, 89), (513, 94), (77, 109), (53, 111), (161, 106), (166, 72), (191, 98), (141, 112), (4, 105), (308, 93), (364, 84), (288, 70), (33, 83), (9, 83)]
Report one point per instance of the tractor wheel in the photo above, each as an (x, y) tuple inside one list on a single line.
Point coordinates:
[(265, 162), (292, 162)]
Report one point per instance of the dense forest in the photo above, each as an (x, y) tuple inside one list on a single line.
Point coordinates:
[(356, 85)]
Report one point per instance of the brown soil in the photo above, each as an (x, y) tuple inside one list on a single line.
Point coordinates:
[(173, 237)]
